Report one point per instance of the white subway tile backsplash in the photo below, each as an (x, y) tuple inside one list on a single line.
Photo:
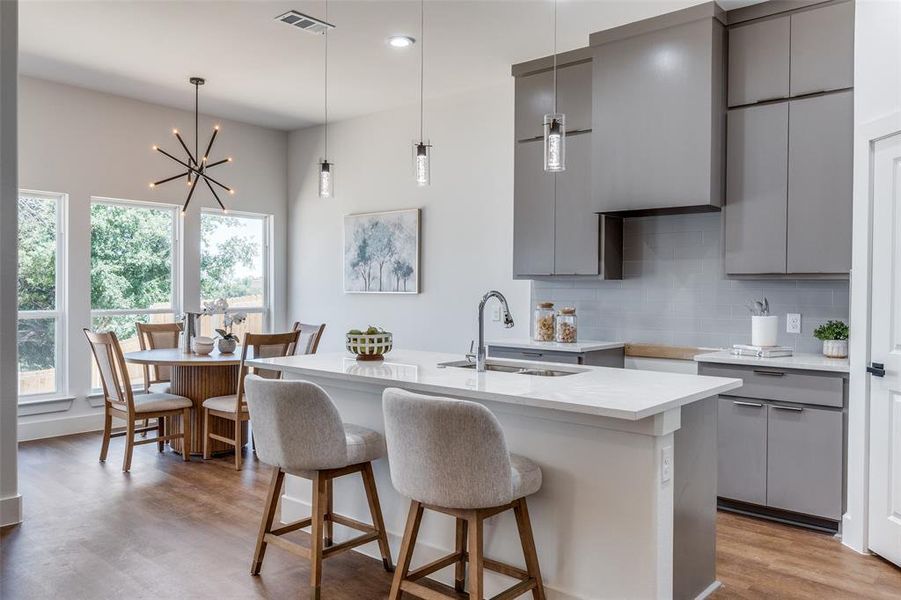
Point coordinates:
[(674, 291)]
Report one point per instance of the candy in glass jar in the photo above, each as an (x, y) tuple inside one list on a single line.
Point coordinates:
[(566, 325), (543, 330)]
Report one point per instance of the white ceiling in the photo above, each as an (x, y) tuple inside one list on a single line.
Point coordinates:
[(265, 72)]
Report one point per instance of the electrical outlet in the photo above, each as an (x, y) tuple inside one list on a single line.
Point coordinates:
[(666, 464), (495, 313), (793, 323)]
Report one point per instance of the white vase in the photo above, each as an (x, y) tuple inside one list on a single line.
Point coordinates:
[(764, 330), (227, 346), (835, 348)]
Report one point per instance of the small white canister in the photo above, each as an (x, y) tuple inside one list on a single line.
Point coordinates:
[(764, 330)]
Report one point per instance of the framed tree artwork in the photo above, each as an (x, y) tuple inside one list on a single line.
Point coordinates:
[(381, 252)]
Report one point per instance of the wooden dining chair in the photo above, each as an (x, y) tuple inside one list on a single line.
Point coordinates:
[(234, 406), (121, 402), (308, 342), (157, 378)]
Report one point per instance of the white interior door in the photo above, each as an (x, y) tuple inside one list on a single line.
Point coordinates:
[(885, 350)]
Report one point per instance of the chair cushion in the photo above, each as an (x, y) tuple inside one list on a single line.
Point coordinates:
[(363, 445), (526, 476), (223, 403), (161, 387), (160, 402)]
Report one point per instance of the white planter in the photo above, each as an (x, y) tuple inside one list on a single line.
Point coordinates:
[(764, 330), (835, 348)]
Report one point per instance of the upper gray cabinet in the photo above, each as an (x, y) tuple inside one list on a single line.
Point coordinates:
[(756, 189), (759, 61), (533, 212), (820, 157), (822, 49), (535, 98), (576, 224), (658, 117)]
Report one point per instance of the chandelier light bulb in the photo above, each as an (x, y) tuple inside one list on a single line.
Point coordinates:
[(554, 142)]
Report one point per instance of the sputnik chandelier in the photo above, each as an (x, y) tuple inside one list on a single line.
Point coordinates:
[(196, 165)]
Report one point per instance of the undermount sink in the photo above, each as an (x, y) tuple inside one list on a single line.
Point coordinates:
[(506, 368)]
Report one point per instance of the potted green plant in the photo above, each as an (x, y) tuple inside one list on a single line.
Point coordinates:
[(228, 341), (834, 335)]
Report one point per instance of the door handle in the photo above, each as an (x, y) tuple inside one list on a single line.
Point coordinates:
[(876, 369), (791, 408), (753, 404), (533, 354), (769, 373)]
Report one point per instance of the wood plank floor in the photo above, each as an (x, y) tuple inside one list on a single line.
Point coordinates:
[(186, 530)]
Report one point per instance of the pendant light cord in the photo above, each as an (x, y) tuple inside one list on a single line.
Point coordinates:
[(421, 63), (196, 126), (326, 83), (555, 57)]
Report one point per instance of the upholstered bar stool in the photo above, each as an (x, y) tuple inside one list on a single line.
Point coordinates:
[(299, 432), (451, 456)]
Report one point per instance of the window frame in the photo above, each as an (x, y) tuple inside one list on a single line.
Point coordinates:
[(266, 308), (59, 313), (176, 262)]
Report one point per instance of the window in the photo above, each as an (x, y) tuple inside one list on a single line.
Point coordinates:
[(40, 294), (133, 270), (234, 264)]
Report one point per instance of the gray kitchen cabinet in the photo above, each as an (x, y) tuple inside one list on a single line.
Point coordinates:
[(822, 49), (535, 98), (804, 473), (742, 449), (759, 61), (533, 212), (576, 224), (820, 149), (610, 357), (658, 117), (756, 189)]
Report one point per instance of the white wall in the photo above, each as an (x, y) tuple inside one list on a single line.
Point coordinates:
[(85, 143), (10, 500), (467, 220), (877, 95)]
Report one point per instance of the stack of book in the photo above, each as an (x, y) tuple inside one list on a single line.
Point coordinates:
[(761, 351)]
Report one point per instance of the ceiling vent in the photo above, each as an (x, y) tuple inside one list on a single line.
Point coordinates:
[(305, 22)]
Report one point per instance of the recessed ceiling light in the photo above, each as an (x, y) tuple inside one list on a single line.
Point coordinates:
[(401, 41)]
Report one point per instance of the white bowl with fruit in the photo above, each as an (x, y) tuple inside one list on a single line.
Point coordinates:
[(371, 344)]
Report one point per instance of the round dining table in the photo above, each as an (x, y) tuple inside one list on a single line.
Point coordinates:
[(197, 377)]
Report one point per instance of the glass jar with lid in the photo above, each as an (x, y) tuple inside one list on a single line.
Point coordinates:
[(566, 325), (543, 330)]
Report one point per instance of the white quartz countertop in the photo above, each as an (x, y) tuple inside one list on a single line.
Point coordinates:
[(808, 362), (618, 393), (578, 347)]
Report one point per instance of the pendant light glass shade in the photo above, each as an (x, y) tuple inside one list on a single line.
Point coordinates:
[(555, 142), (326, 179), (421, 163)]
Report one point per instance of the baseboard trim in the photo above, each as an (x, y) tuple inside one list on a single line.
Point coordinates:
[(11, 510), (294, 509), (48, 428)]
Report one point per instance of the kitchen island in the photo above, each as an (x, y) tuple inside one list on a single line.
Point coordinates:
[(627, 508)]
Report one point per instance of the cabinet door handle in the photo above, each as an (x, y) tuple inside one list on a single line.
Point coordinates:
[(533, 354), (876, 369), (754, 404), (769, 373), (791, 408)]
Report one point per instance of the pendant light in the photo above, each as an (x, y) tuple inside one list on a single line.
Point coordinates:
[(197, 166), (422, 148), (326, 169), (555, 124)]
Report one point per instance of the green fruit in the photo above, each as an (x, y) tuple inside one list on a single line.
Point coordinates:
[(355, 332), (372, 330)]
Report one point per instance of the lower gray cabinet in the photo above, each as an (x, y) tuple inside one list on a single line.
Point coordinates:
[(612, 357), (804, 460), (741, 449)]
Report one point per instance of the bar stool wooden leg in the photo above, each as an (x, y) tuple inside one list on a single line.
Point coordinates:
[(460, 547), (476, 580), (318, 517), (329, 510), (375, 509), (524, 524), (275, 488), (107, 432), (411, 532)]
